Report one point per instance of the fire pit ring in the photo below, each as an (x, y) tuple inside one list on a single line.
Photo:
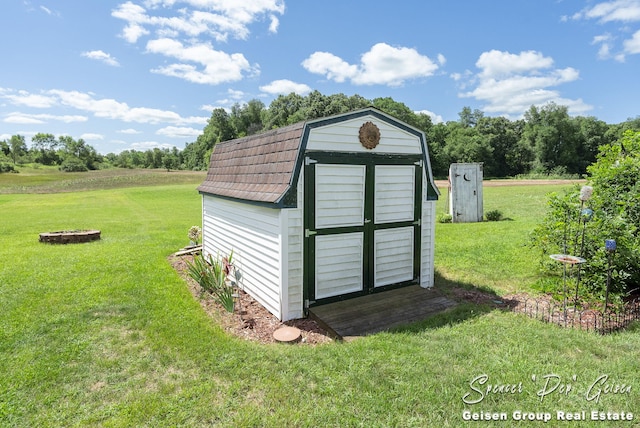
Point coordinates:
[(70, 236)]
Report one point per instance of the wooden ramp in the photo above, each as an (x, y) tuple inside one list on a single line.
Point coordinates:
[(379, 311)]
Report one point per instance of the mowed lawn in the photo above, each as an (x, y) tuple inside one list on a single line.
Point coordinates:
[(107, 334)]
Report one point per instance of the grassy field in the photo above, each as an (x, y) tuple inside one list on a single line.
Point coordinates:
[(107, 334), (48, 179)]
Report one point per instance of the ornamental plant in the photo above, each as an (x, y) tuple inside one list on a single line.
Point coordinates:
[(194, 234), (213, 276), (611, 206)]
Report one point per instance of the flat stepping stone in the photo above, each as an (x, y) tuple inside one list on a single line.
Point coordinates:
[(287, 334)]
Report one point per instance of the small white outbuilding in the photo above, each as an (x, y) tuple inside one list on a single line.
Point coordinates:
[(323, 210), (465, 192)]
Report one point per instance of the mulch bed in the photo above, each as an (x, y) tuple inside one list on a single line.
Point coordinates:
[(250, 321)]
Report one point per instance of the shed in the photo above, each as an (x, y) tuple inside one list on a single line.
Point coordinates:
[(323, 210)]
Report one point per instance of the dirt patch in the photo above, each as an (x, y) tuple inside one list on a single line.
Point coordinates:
[(250, 321)]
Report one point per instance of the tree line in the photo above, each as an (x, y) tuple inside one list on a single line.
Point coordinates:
[(69, 154), (546, 141)]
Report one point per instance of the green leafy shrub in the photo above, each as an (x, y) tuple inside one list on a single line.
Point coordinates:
[(493, 215), (615, 206), (73, 165), (5, 167), (444, 218)]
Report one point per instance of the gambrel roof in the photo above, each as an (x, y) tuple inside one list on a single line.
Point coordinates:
[(255, 168)]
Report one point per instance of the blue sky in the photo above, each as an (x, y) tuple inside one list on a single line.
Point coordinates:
[(140, 74)]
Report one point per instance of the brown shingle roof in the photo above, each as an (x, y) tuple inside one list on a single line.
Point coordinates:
[(256, 168)]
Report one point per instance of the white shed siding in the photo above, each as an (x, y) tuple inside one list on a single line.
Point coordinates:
[(338, 264), (339, 195), (292, 220), (343, 137), (393, 255), (428, 243), (254, 234), (394, 198)]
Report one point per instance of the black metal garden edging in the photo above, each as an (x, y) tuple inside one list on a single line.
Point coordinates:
[(595, 320)]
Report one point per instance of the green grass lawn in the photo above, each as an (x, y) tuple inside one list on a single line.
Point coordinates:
[(494, 255), (107, 334)]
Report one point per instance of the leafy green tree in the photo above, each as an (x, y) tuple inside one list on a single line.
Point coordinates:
[(552, 137), (5, 149), (149, 161), (615, 180), (468, 118), (464, 144), (170, 160), (74, 152), (247, 119), (437, 142), (615, 132), (396, 109), (283, 111), (592, 134), (44, 146), (502, 136), (18, 147)]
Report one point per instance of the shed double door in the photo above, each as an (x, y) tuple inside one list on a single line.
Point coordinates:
[(362, 224)]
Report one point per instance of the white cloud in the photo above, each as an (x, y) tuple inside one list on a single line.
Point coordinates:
[(285, 86), (26, 99), (101, 56), (435, 118), (219, 18), (209, 107), (135, 16), (91, 137), (102, 108), (179, 132), (129, 131), (381, 65), (510, 84), (143, 146), (632, 45), (216, 66), (179, 30), (236, 95), (626, 12), (36, 119), (617, 10), (275, 23), (132, 32), (335, 68), (112, 109), (49, 11), (497, 63), (24, 119)]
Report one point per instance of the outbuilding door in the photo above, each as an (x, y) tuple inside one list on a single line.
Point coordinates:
[(362, 224), (466, 192)]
